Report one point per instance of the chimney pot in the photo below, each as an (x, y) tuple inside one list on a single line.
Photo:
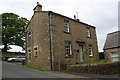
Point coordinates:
[(37, 3), (74, 16)]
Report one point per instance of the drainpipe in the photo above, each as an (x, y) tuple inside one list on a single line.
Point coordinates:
[(50, 40)]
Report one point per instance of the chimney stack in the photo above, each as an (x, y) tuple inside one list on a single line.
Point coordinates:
[(76, 18), (38, 7)]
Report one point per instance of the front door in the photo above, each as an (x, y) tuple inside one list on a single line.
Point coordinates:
[(81, 53)]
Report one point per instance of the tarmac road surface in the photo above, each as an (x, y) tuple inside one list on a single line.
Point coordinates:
[(11, 70), (16, 71)]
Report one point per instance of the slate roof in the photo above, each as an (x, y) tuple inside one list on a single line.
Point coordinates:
[(64, 17), (112, 40), (71, 19)]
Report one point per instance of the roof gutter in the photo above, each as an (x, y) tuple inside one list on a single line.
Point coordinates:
[(111, 48)]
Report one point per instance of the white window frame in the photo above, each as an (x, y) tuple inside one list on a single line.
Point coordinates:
[(114, 56), (88, 33), (68, 49), (29, 37), (66, 26), (35, 51), (29, 54), (29, 34), (90, 50)]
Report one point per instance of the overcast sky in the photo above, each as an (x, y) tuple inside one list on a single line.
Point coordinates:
[(103, 14)]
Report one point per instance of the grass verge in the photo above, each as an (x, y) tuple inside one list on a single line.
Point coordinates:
[(84, 64), (99, 62), (36, 68), (10, 55)]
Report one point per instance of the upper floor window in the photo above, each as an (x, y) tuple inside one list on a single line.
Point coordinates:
[(66, 26), (90, 50), (68, 51), (29, 38), (35, 52), (88, 32), (29, 34)]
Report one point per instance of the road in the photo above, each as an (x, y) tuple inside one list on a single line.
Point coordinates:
[(12, 70)]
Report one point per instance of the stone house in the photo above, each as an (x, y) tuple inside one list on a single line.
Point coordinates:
[(54, 41), (112, 47)]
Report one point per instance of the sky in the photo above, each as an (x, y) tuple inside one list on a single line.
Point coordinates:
[(103, 14)]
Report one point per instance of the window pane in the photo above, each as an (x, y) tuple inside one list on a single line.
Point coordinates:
[(115, 59), (29, 34), (114, 54), (35, 52), (66, 26), (90, 50), (29, 54), (68, 48), (88, 33)]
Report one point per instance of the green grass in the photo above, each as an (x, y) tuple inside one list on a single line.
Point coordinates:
[(84, 64), (99, 62), (10, 55), (36, 68)]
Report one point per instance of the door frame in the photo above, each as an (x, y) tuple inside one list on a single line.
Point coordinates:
[(81, 56)]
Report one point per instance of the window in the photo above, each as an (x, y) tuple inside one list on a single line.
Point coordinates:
[(66, 26), (68, 51), (29, 37), (29, 34), (90, 50), (29, 54), (114, 56), (88, 32), (35, 52)]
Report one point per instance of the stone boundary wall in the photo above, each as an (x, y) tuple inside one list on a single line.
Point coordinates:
[(107, 68)]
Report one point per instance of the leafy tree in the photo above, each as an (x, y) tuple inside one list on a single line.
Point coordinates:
[(13, 30)]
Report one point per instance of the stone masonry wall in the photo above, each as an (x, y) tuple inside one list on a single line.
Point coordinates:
[(108, 68)]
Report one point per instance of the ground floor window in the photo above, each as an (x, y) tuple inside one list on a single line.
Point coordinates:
[(90, 50), (35, 52), (68, 51), (114, 56), (29, 54)]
